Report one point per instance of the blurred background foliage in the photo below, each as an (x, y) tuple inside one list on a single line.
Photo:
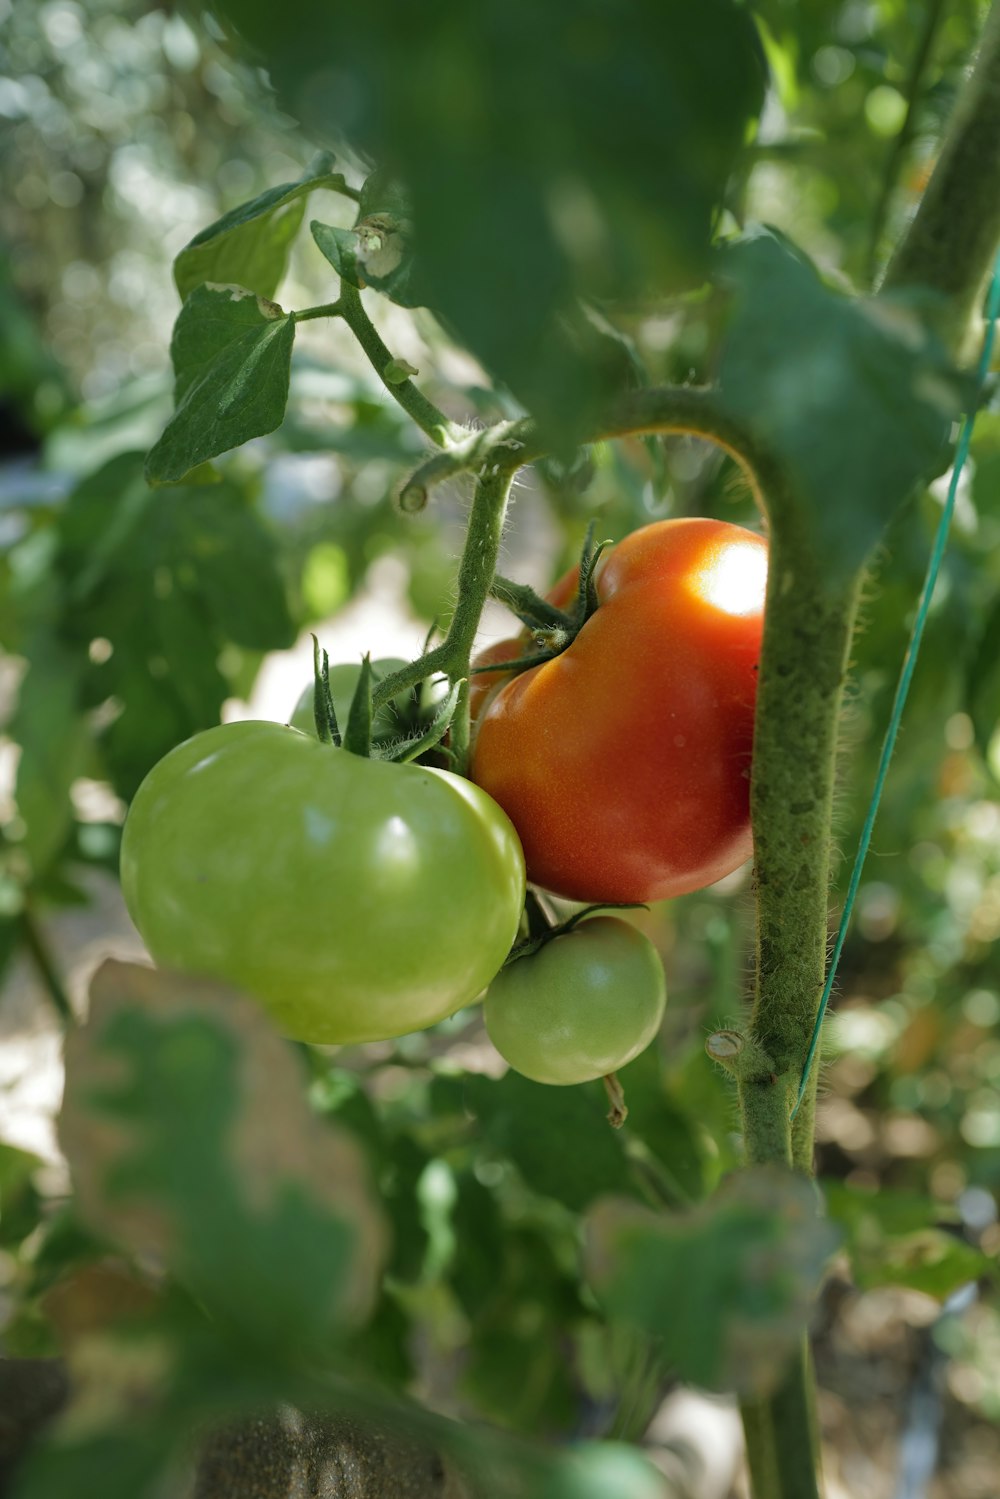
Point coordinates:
[(131, 618)]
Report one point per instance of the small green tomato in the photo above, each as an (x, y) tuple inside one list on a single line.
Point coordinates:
[(587, 1002)]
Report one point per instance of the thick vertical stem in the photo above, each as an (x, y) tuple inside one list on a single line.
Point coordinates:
[(780, 1437), (807, 633)]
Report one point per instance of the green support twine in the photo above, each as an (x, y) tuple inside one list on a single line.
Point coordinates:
[(906, 674)]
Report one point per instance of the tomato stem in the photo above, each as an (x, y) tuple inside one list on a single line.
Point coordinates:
[(618, 1112), (476, 572), (951, 241), (696, 411), (417, 406)]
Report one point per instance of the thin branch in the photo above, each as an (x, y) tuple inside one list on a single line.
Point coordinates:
[(694, 410), (427, 416), (329, 309), (48, 972), (950, 244), (913, 92)]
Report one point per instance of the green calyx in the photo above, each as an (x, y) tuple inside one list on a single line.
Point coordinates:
[(419, 735), (551, 629), (541, 928)]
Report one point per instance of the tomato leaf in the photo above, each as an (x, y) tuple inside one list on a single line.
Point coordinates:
[(51, 729), (20, 1203), (903, 1239), (538, 146), (177, 579), (231, 353), (727, 1287), (805, 366), (530, 1123), (264, 1215), (340, 248), (249, 246)]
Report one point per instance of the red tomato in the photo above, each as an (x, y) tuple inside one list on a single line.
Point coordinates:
[(624, 763)]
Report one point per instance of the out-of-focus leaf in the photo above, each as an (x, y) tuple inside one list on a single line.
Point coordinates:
[(404, 1163), (983, 681), (530, 1125), (189, 1138), (854, 396), (727, 1287), (55, 744), (95, 1298), (19, 1202), (249, 245), (10, 933), (522, 1323), (232, 354), (595, 1470), (663, 1128), (896, 1239), (174, 578), (547, 151)]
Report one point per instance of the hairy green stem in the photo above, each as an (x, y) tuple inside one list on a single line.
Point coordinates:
[(950, 244), (413, 401), (476, 572), (781, 1439), (694, 410), (809, 620), (808, 626), (328, 309)]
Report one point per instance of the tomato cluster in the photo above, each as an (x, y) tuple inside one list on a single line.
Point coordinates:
[(358, 898), (624, 762)]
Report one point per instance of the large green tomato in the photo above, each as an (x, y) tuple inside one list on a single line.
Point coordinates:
[(356, 899), (582, 1006)]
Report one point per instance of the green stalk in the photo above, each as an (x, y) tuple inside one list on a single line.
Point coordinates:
[(781, 1437), (475, 578), (807, 632), (950, 244), (413, 401), (38, 950), (913, 92)]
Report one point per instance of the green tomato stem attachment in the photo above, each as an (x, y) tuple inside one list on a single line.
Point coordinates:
[(552, 629), (587, 600), (542, 929), (410, 749), (618, 1112), (533, 612)]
